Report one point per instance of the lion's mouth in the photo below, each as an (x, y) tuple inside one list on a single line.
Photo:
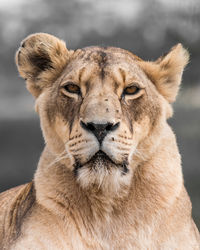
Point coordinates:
[(100, 159), (101, 156)]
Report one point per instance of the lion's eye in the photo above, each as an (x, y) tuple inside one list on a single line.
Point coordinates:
[(132, 90), (72, 88)]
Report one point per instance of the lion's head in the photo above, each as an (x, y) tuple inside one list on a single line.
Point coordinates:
[(103, 108)]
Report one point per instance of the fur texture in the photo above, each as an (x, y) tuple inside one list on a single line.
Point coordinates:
[(110, 175)]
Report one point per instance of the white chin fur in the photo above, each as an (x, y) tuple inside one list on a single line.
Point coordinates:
[(109, 180)]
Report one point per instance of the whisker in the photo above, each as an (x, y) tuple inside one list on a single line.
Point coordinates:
[(59, 157)]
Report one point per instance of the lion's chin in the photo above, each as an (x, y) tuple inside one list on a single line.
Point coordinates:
[(102, 172)]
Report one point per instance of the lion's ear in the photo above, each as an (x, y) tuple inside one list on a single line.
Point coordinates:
[(40, 59), (166, 72)]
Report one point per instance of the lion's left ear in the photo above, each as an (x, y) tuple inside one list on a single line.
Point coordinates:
[(166, 72), (40, 59)]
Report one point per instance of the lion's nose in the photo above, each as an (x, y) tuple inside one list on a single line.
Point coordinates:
[(99, 130)]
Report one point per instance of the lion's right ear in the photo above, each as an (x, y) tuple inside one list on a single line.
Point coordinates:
[(40, 59)]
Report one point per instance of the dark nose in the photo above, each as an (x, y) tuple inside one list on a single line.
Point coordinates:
[(99, 130)]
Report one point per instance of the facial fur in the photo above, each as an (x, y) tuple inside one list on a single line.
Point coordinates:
[(110, 174), (98, 127)]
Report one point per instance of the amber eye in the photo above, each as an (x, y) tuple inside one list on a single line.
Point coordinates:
[(72, 88), (131, 90)]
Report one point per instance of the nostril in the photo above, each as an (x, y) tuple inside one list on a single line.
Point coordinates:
[(83, 125), (90, 126), (113, 127), (109, 126)]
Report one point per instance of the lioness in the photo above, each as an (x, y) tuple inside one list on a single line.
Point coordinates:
[(110, 175)]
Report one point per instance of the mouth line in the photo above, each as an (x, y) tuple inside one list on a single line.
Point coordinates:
[(104, 157), (102, 154)]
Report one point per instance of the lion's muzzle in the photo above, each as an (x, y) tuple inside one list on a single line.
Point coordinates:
[(100, 130)]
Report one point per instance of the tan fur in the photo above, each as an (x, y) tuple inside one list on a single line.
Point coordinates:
[(131, 196), (167, 71)]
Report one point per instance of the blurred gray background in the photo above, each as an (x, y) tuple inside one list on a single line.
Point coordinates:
[(147, 28)]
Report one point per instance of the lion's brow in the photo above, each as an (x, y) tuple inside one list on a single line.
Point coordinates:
[(81, 73), (123, 74)]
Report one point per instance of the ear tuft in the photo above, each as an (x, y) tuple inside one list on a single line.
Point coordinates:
[(166, 71), (40, 59)]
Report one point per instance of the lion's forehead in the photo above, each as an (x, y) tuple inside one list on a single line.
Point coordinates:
[(96, 51), (105, 63), (104, 56)]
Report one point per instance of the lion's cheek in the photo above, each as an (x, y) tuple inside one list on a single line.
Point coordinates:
[(62, 129), (52, 139)]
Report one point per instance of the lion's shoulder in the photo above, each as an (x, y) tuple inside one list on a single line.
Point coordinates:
[(15, 204)]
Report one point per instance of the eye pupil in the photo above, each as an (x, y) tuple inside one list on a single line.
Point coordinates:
[(131, 90), (72, 88)]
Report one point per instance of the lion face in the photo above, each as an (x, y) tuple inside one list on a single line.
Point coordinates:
[(99, 106)]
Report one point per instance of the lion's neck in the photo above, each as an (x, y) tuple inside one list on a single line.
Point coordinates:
[(153, 187), (58, 190)]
